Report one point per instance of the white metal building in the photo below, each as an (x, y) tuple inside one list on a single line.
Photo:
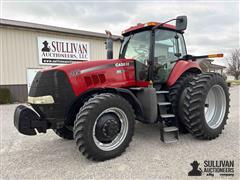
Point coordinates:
[(23, 46)]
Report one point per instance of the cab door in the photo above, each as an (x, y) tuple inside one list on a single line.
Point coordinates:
[(169, 46)]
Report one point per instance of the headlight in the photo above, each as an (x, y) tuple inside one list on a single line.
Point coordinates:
[(41, 100)]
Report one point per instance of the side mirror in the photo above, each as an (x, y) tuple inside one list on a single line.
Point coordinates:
[(181, 23)]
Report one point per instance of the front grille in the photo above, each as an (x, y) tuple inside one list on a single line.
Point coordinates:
[(56, 84)]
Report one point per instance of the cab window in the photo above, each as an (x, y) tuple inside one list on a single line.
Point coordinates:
[(169, 46), (138, 47)]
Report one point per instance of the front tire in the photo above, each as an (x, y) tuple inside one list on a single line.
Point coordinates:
[(104, 127), (206, 106), (64, 132)]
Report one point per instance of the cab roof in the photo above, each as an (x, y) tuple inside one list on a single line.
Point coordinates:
[(141, 26)]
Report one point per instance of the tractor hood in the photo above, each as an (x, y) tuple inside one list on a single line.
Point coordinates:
[(84, 76), (54, 89)]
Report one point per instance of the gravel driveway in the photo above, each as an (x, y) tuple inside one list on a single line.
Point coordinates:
[(50, 157)]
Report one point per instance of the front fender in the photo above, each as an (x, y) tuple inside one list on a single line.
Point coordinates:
[(133, 100), (181, 67), (81, 99)]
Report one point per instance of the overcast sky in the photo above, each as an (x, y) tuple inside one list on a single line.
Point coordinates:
[(213, 26)]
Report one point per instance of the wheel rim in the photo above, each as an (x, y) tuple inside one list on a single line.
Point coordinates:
[(215, 106), (120, 136)]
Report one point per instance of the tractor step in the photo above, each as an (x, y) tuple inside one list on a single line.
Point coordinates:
[(169, 134), (167, 115), (164, 103), (162, 92), (170, 129)]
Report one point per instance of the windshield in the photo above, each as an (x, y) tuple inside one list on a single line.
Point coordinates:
[(136, 46)]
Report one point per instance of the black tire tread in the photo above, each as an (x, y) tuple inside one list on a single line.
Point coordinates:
[(82, 118), (175, 93), (64, 133), (194, 100)]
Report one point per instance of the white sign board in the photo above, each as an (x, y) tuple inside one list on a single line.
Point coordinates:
[(54, 51), (31, 73)]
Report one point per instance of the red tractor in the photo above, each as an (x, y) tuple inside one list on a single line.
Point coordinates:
[(154, 81)]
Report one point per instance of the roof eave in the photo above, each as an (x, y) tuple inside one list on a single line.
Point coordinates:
[(28, 25)]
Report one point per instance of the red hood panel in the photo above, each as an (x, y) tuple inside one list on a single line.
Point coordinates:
[(88, 75), (86, 64)]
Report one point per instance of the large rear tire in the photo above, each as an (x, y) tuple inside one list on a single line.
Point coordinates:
[(175, 93), (104, 127), (206, 106)]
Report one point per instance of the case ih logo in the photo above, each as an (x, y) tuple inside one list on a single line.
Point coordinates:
[(122, 64), (57, 51)]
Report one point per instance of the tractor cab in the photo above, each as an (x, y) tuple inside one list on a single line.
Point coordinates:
[(155, 47)]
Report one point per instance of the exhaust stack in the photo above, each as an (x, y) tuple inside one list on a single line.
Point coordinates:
[(109, 45)]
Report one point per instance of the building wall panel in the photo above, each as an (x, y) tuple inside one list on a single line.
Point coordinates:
[(18, 92), (19, 51)]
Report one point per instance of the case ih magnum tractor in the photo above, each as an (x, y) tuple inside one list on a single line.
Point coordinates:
[(154, 81)]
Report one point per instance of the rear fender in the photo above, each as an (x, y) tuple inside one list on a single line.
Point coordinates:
[(180, 68)]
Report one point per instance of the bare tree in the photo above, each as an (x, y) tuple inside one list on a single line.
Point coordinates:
[(234, 64)]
